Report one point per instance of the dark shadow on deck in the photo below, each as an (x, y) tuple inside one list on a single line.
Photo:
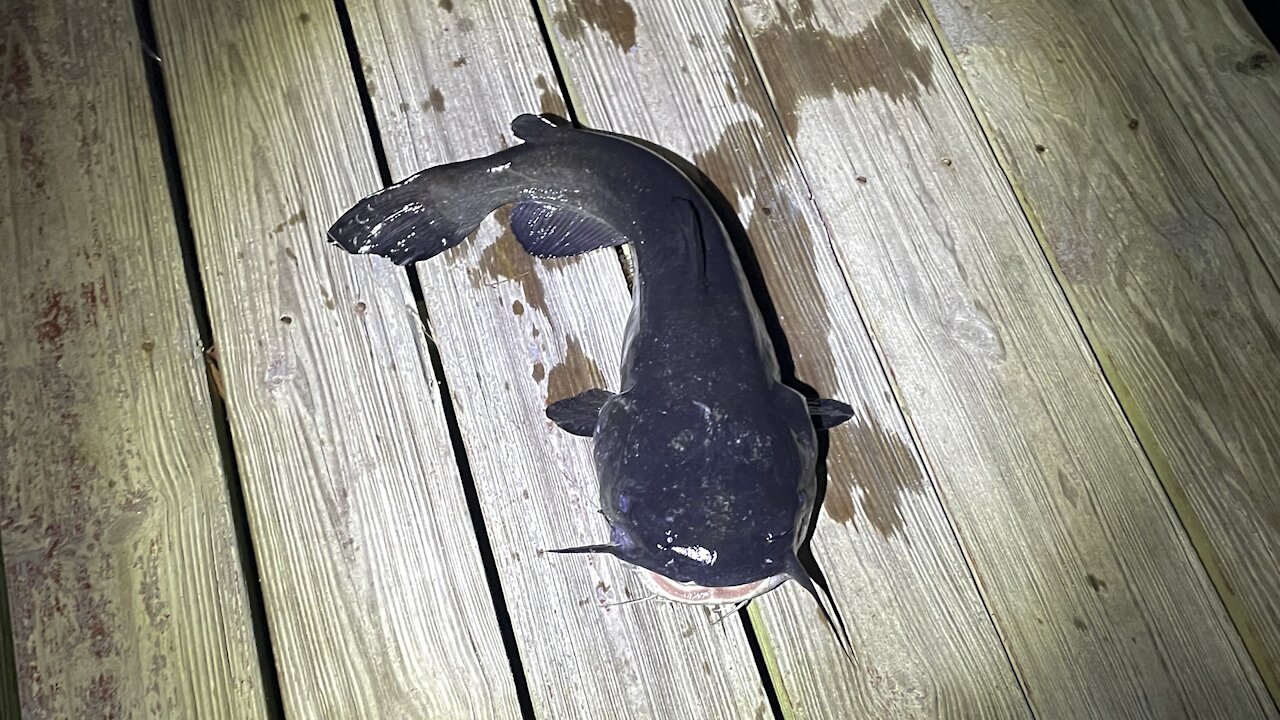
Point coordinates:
[(9, 705)]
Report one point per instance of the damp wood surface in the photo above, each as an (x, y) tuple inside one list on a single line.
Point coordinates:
[(373, 584), (516, 334), (1103, 606), (125, 590), (1154, 232), (681, 76)]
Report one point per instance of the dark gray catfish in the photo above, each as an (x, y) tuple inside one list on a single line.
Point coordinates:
[(706, 460)]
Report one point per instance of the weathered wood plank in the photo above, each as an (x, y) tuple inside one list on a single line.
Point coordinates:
[(1103, 607), (124, 586), (515, 334), (1167, 284), (1222, 77), (680, 75), (374, 587)]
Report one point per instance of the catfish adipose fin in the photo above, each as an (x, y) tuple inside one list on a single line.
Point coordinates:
[(706, 460)]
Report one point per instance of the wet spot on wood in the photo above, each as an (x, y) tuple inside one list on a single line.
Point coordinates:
[(506, 260), (1095, 583), (466, 25), (1259, 63), (446, 5), (304, 18), (435, 100), (17, 81), (866, 462), (517, 307), (1080, 624), (875, 467), (53, 319), (539, 372), (574, 374), (549, 100), (297, 218), (615, 18), (31, 159), (810, 61)]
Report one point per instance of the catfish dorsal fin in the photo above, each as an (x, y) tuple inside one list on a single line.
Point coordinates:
[(532, 128)]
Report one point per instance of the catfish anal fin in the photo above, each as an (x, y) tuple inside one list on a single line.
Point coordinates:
[(548, 230), (828, 413), (578, 415)]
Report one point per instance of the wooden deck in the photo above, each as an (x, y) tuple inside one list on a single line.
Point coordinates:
[(1035, 244)]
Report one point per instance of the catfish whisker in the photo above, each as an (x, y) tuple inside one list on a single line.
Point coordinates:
[(629, 601), (732, 611)]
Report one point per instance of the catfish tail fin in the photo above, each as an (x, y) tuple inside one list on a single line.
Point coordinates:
[(436, 209), (422, 215)]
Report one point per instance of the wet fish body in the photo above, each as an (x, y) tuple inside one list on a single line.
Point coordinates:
[(706, 460)]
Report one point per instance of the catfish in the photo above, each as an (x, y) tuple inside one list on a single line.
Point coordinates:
[(706, 459)]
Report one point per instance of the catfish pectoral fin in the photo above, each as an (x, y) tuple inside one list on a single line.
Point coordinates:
[(828, 413), (578, 415)]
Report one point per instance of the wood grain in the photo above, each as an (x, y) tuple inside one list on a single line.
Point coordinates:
[(515, 334), (1221, 76), (374, 587), (1167, 283), (1103, 607), (120, 556), (680, 75)]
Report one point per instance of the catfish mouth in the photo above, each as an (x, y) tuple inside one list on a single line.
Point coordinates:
[(695, 594)]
